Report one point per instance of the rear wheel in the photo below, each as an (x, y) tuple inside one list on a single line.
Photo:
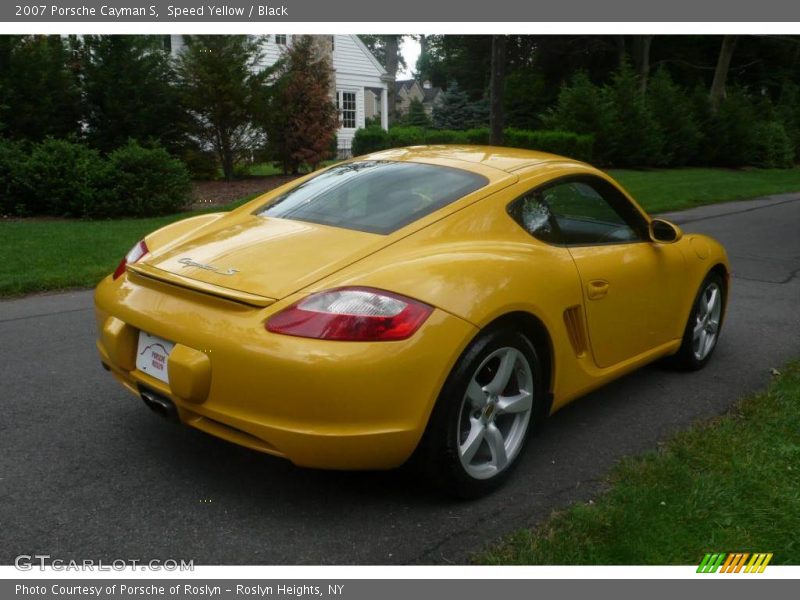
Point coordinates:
[(480, 424), (703, 328)]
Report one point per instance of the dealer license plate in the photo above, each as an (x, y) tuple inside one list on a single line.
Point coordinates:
[(152, 355)]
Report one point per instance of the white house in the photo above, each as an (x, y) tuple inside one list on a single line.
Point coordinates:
[(356, 73)]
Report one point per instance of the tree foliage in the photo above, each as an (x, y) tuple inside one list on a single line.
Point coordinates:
[(302, 120), (376, 44), (224, 89), (417, 116), (455, 110), (39, 87), (129, 92)]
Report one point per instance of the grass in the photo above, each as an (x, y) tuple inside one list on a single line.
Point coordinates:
[(268, 169), (731, 484), (38, 255), (663, 190)]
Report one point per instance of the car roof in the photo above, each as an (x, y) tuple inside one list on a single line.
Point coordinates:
[(496, 157)]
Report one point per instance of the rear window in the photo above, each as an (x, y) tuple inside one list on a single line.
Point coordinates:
[(374, 196)]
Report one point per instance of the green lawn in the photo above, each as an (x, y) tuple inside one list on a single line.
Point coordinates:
[(665, 190), (728, 485), (37, 255), (268, 169)]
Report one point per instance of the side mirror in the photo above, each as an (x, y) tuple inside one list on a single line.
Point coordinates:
[(664, 232)]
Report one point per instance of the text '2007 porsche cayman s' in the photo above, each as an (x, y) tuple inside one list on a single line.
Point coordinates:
[(430, 302)]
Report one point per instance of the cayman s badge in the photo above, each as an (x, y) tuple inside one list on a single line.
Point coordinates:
[(188, 262)]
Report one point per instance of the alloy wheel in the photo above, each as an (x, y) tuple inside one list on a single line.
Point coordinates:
[(707, 321), (495, 412)]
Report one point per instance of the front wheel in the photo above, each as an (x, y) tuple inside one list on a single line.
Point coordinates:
[(480, 424), (704, 325)]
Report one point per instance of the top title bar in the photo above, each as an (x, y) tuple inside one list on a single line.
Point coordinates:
[(407, 11)]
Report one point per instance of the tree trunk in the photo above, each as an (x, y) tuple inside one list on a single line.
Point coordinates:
[(423, 45), (620, 40), (641, 58), (498, 81), (717, 93), (224, 152), (392, 49)]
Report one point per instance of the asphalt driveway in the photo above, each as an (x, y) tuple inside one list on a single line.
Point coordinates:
[(87, 472)]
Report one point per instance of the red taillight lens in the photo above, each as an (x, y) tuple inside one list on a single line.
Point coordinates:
[(352, 314), (136, 253)]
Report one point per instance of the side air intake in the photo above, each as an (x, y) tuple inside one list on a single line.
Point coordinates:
[(573, 319)]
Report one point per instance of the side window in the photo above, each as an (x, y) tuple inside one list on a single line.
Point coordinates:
[(578, 212)]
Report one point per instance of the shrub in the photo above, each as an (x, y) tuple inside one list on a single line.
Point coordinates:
[(417, 117), (773, 149), (580, 108), (370, 139), (617, 115), (61, 178), (674, 113), (788, 111), (202, 164), (731, 133), (141, 182), (565, 143), (12, 163), (633, 137), (406, 136)]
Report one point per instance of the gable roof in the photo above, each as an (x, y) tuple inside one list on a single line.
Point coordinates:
[(404, 84), (369, 54)]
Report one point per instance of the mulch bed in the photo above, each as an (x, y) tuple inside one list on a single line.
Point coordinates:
[(218, 193)]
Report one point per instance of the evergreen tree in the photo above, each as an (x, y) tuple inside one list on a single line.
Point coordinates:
[(788, 112), (674, 113), (302, 121), (579, 108), (130, 92), (456, 111), (417, 117), (224, 89), (39, 91), (633, 136)]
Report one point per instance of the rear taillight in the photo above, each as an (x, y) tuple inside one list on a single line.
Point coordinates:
[(352, 314), (136, 253)]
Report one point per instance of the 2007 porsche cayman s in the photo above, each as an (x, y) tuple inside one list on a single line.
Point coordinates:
[(431, 301)]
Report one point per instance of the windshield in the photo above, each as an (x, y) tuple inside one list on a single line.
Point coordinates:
[(374, 196)]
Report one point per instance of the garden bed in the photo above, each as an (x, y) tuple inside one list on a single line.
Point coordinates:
[(220, 193)]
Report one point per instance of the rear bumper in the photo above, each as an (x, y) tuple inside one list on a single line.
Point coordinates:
[(333, 405)]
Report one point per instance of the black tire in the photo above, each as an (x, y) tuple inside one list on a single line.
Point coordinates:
[(686, 359), (438, 454)]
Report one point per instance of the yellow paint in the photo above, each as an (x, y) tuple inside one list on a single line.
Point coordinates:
[(355, 405)]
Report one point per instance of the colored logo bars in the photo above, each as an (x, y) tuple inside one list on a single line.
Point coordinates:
[(734, 563)]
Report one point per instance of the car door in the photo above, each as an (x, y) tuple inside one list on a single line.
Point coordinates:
[(630, 284)]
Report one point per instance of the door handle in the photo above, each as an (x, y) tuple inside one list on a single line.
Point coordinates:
[(596, 289)]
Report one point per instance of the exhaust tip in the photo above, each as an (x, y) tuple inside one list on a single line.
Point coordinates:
[(160, 404)]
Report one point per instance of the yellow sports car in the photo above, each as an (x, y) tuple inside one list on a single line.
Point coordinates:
[(433, 302)]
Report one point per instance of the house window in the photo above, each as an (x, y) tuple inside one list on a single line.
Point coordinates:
[(346, 103), (280, 39)]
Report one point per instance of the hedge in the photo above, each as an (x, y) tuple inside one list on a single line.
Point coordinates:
[(66, 179), (565, 143)]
